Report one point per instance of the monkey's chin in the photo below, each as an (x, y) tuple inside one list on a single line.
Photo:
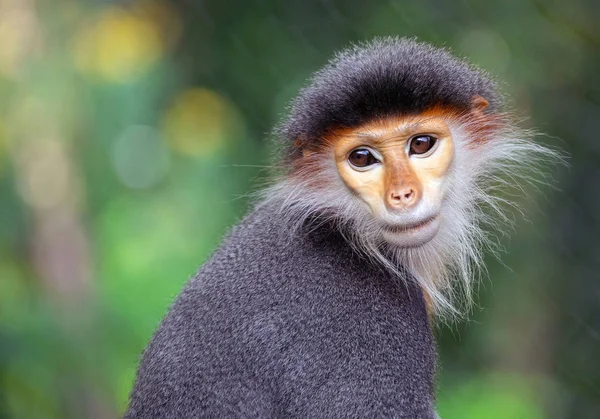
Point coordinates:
[(413, 235)]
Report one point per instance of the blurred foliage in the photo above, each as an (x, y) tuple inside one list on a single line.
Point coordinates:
[(132, 133)]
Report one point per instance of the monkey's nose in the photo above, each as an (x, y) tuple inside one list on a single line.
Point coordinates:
[(403, 198)]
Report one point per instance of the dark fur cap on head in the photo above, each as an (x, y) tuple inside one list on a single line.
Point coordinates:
[(380, 78)]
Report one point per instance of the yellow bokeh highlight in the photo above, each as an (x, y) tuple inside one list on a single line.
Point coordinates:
[(122, 43), (199, 122)]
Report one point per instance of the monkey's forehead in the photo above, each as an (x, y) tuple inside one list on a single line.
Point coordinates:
[(381, 78)]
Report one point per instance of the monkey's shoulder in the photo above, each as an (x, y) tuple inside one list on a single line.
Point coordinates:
[(266, 285)]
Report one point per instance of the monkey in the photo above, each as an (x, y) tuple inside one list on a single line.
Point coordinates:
[(319, 303)]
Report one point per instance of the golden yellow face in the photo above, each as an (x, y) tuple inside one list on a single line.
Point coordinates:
[(398, 166)]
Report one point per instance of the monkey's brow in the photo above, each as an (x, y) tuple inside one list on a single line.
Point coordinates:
[(404, 129)]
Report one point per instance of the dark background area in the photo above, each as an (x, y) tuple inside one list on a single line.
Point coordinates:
[(132, 134)]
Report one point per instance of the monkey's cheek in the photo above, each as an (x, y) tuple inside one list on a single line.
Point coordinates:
[(413, 237)]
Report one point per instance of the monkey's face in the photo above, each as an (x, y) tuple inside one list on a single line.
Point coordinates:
[(399, 167)]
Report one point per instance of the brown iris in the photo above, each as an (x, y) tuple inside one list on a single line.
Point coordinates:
[(421, 144), (362, 158)]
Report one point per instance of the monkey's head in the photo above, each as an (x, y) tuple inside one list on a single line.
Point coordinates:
[(400, 144), (398, 167)]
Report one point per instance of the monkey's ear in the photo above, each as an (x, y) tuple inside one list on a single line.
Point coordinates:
[(478, 105)]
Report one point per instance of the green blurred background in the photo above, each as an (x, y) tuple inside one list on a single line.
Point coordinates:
[(131, 134)]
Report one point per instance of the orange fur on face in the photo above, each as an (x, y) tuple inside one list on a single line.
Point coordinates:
[(398, 173)]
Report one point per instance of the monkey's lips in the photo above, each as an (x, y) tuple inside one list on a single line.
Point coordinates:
[(413, 234)]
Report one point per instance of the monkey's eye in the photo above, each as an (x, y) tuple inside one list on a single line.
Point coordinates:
[(421, 144), (362, 158)]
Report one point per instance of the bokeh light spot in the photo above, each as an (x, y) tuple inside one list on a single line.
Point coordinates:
[(17, 34), (140, 158), (122, 43), (46, 172), (200, 121)]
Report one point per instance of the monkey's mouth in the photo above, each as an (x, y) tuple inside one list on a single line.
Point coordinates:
[(413, 234), (406, 228)]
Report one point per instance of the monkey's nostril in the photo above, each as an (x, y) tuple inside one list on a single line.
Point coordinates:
[(403, 197)]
